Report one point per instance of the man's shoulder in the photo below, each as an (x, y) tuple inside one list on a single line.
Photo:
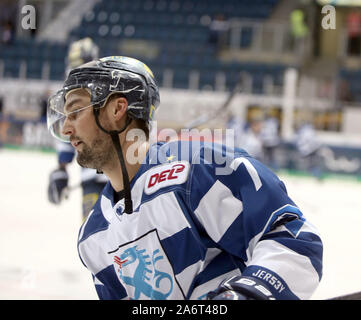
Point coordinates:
[(164, 152), (192, 151)]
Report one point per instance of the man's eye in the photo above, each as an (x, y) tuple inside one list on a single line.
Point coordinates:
[(72, 115)]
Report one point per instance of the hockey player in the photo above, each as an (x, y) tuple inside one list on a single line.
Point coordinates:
[(180, 219), (251, 139), (309, 147), (270, 139), (80, 52)]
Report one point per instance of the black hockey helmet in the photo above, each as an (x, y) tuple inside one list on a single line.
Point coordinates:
[(104, 77)]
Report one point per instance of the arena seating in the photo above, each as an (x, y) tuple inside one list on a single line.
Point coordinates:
[(180, 30), (349, 88)]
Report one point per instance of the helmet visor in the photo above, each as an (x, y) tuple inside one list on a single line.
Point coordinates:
[(56, 113)]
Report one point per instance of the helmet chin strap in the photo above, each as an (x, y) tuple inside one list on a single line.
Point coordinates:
[(115, 138)]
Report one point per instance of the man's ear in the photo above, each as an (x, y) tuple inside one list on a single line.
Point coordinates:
[(120, 106)]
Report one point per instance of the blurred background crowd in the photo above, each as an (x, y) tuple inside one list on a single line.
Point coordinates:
[(298, 63)]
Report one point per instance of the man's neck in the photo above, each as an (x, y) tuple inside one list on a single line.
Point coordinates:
[(133, 155)]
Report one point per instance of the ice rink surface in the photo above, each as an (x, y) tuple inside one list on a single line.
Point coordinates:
[(38, 254)]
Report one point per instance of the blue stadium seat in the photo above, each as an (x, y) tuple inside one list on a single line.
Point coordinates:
[(34, 69), (180, 78), (176, 26), (11, 68)]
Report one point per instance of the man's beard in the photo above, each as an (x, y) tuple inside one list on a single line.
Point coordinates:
[(97, 155)]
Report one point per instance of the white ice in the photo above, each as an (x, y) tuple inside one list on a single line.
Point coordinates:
[(38, 255)]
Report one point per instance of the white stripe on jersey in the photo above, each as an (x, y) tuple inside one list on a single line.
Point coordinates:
[(186, 277), (167, 217), (81, 233), (213, 284), (218, 209), (107, 209), (98, 282), (281, 260), (94, 261), (255, 239)]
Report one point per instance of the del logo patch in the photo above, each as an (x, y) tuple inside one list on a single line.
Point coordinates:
[(166, 175)]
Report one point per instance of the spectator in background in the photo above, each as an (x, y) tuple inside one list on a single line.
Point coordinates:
[(299, 29), (270, 139), (251, 139), (7, 33), (8, 20), (218, 31), (235, 123), (308, 147), (353, 23)]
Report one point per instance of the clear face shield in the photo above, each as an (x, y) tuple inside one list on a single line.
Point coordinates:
[(57, 114)]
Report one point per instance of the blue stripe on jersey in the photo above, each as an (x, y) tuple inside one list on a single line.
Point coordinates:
[(184, 242), (179, 150), (232, 239), (221, 264), (306, 243), (95, 223), (272, 281), (114, 288), (103, 292), (284, 214), (198, 231)]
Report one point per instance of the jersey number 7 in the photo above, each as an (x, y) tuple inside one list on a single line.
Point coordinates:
[(250, 169)]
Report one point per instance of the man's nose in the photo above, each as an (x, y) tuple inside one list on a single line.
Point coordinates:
[(67, 129)]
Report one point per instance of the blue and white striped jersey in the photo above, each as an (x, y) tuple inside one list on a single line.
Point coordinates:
[(202, 213)]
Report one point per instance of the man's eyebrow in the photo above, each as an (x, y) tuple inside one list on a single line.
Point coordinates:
[(70, 104)]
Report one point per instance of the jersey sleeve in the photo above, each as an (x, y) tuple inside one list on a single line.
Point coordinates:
[(246, 211)]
